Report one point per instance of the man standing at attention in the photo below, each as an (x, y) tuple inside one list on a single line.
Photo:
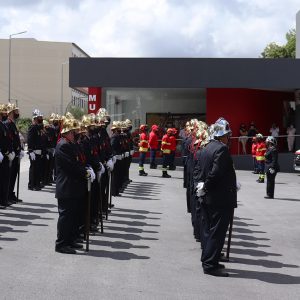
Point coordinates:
[(218, 196)]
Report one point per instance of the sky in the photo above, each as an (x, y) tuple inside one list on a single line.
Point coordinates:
[(154, 28)]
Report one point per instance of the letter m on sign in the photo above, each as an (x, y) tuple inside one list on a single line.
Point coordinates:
[(94, 102)]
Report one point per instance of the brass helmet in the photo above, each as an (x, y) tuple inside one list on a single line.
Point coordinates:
[(69, 115), (11, 107), (3, 108), (85, 121), (70, 124), (115, 125), (92, 118)]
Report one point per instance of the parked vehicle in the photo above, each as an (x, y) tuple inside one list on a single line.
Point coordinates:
[(297, 161)]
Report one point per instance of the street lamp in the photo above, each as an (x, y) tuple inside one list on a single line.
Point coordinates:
[(62, 87), (9, 58)]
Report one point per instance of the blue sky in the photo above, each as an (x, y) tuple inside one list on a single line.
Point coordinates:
[(154, 28)]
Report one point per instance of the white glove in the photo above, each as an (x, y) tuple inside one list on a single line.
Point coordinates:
[(272, 171), (126, 154), (91, 173), (238, 186), (21, 155), (110, 165), (1, 157), (11, 156), (102, 169), (32, 155), (199, 189), (47, 156), (131, 152), (114, 159)]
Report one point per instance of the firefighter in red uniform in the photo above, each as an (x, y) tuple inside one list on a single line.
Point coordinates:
[(253, 152), (153, 144), (173, 149), (260, 157), (143, 148), (166, 150)]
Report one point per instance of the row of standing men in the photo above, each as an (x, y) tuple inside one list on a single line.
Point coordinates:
[(11, 152)]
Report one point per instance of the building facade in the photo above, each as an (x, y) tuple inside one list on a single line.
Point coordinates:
[(39, 75)]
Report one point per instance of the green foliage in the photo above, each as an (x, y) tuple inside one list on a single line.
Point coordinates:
[(23, 124), (76, 111), (285, 51)]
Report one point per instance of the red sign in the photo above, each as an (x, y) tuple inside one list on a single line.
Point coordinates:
[(94, 101)]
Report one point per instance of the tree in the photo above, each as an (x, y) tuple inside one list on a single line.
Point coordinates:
[(285, 51), (76, 111)]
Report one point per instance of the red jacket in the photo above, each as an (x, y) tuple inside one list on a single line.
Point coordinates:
[(153, 140), (143, 144), (260, 151), (166, 144), (173, 142)]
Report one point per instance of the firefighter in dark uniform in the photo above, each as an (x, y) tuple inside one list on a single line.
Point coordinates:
[(217, 188), (71, 187), (271, 165), (125, 156), (6, 157), (13, 115), (35, 150), (106, 158), (116, 145), (129, 149)]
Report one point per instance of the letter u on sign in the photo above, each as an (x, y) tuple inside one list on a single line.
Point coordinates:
[(92, 106)]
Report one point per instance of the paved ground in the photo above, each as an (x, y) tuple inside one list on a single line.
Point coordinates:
[(147, 250)]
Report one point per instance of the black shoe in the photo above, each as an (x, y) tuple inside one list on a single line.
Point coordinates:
[(224, 259), (143, 174), (76, 246), (79, 240), (166, 175), (260, 180), (220, 266), (268, 197), (66, 250), (216, 272), (36, 189), (30, 188), (111, 205), (2, 207), (94, 228), (19, 200)]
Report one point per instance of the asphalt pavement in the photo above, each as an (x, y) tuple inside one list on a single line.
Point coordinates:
[(147, 250)]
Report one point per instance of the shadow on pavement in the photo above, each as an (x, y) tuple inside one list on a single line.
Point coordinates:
[(118, 255), (265, 276), (39, 204), (287, 199), (262, 262)]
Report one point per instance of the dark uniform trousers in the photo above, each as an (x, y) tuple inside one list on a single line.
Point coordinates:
[(214, 232), (271, 183), (13, 176), (105, 190), (116, 178), (35, 172), (4, 181), (68, 221)]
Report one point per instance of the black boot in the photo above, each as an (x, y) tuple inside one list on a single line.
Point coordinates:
[(165, 174), (142, 173)]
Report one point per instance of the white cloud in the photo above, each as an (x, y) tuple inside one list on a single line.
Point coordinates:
[(153, 28)]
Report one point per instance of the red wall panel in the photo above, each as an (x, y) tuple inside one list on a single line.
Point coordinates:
[(244, 106)]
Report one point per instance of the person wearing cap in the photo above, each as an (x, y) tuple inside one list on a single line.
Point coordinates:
[(271, 165), (7, 156), (71, 187), (260, 157), (217, 190), (143, 148), (166, 151), (35, 144), (153, 145), (13, 115)]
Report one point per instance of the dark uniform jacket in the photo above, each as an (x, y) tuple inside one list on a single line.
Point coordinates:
[(215, 168), (71, 173), (34, 138), (271, 156), (14, 136), (115, 141), (105, 146), (5, 142)]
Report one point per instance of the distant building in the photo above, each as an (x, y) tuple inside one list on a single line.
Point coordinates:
[(39, 76)]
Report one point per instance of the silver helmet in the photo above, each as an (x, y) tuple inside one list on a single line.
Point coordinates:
[(271, 140), (36, 113), (221, 128)]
